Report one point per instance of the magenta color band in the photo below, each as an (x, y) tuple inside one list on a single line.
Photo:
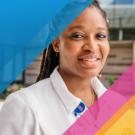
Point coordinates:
[(108, 104)]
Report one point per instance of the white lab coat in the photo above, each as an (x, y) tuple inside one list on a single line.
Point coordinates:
[(45, 108)]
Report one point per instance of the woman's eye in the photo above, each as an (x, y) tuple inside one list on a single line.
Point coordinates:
[(77, 36), (101, 36)]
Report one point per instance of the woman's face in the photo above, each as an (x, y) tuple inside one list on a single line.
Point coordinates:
[(84, 45)]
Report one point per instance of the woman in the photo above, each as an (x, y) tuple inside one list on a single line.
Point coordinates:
[(68, 80)]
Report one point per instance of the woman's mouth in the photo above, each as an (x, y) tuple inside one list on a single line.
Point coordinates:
[(90, 62)]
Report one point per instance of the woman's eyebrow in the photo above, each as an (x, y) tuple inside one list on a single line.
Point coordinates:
[(75, 27), (101, 28)]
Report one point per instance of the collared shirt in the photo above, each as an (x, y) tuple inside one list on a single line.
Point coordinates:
[(45, 108)]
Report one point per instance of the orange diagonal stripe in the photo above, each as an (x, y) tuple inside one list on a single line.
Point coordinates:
[(116, 116)]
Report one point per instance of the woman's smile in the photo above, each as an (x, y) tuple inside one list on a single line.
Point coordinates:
[(90, 61)]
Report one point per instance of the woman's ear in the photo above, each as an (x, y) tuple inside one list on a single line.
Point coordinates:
[(55, 45)]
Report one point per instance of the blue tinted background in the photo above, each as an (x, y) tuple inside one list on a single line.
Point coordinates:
[(27, 27)]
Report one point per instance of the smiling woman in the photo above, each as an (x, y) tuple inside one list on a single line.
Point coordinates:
[(80, 51), (84, 46), (67, 84)]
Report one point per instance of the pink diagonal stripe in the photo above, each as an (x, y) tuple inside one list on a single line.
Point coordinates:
[(103, 109)]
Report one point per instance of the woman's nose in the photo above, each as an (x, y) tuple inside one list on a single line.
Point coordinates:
[(90, 45)]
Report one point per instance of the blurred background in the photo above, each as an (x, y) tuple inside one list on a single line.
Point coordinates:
[(121, 15)]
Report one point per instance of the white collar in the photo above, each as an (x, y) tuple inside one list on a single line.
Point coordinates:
[(69, 100)]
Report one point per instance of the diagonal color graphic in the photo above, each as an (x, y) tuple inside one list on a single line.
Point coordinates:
[(114, 100), (123, 122), (33, 25)]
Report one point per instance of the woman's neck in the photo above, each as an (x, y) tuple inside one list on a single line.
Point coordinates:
[(79, 87)]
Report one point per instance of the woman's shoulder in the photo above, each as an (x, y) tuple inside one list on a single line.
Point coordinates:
[(37, 88), (23, 107), (33, 96)]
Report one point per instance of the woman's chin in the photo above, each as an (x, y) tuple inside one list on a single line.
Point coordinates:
[(90, 74)]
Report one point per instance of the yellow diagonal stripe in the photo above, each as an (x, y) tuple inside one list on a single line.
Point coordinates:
[(123, 122)]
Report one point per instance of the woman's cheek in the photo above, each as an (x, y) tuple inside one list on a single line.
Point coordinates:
[(72, 49), (105, 49)]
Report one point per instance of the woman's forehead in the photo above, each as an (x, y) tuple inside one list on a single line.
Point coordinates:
[(90, 17)]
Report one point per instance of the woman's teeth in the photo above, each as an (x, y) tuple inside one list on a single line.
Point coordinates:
[(90, 59)]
